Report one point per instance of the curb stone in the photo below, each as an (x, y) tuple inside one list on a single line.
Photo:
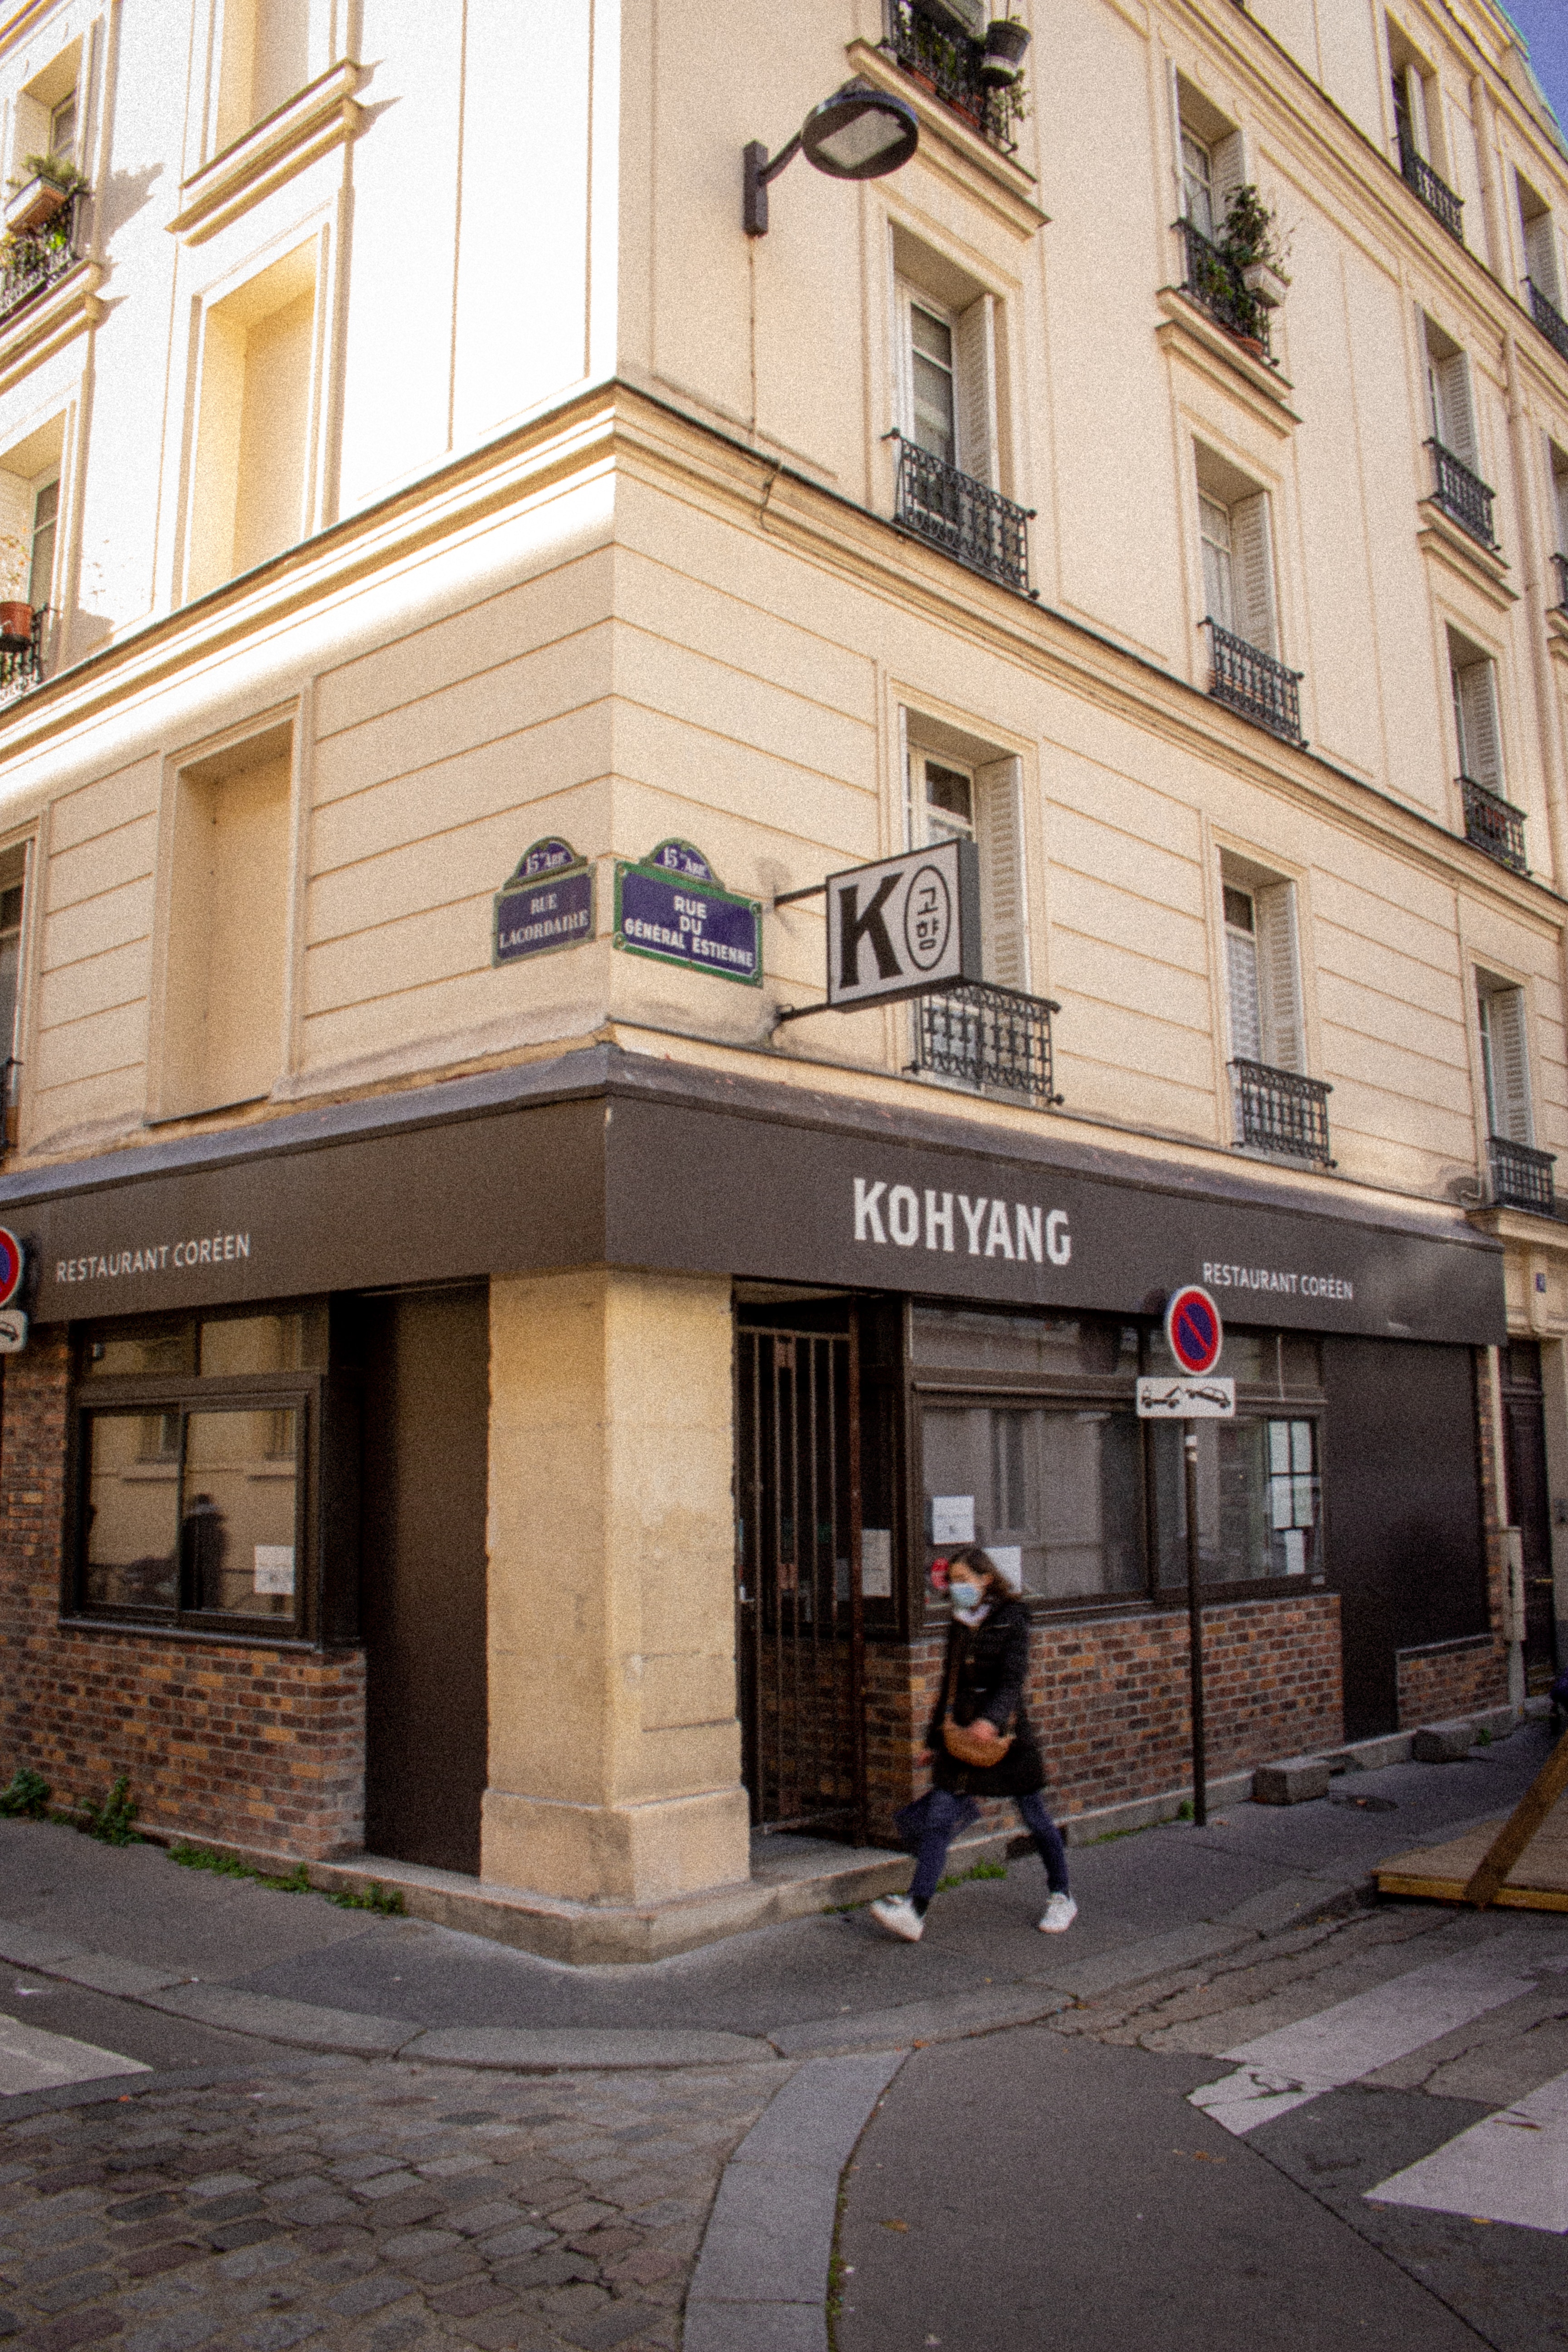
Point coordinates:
[(762, 2277)]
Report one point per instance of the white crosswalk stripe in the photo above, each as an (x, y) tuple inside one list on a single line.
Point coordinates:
[(32, 2060), (1511, 2167), (1283, 2070)]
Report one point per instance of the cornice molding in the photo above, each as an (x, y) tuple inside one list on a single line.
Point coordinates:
[(49, 321), (1442, 539), (1189, 335), (611, 427), (320, 117)]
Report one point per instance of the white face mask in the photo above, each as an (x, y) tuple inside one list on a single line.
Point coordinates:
[(965, 1595)]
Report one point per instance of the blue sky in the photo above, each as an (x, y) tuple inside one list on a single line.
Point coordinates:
[(1544, 24)]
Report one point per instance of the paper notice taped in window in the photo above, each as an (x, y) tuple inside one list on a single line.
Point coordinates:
[(877, 1563), (953, 1518), (275, 1567)]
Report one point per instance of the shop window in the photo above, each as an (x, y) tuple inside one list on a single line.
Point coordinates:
[(1258, 1499), (252, 471), (265, 59), (227, 928), (1054, 1495), (1059, 1346), (193, 1470), (953, 799)]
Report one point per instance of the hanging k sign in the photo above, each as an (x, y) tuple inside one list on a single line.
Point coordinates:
[(903, 927)]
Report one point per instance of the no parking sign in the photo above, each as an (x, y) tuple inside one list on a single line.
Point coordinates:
[(13, 1322), (1193, 1332)]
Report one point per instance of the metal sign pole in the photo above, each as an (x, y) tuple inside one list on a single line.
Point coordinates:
[(1196, 1629)]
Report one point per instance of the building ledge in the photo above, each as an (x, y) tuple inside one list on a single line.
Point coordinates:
[(1481, 568), (1557, 631), (1190, 334), (952, 148), (322, 116), (41, 328)]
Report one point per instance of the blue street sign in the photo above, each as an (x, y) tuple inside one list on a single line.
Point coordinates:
[(668, 906), (548, 903)]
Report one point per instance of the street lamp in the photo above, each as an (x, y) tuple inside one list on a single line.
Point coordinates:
[(858, 133)]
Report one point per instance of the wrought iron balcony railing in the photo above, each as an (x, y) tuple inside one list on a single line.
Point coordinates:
[(1560, 569), (21, 671), (1254, 683), (1216, 283), (988, 1037), (948, 61), (1548, 318), (1463, 495), (1435, 194), (1280, 1110), (1493, 824), (966, 518), (33, 259), (1522, 1176)]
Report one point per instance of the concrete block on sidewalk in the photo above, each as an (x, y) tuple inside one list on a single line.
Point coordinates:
[(1445, 1743), (1293, 1781)]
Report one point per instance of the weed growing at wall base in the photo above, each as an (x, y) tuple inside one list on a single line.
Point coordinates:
[(26, 1796), (110, 1821)]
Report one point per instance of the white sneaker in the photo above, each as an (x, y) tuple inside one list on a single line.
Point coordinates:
[(1058, 1915), (898, 1915)]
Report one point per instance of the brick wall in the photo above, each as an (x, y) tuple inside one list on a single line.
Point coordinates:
[(261, 1747), (1109, 1699), (1448, 1678)]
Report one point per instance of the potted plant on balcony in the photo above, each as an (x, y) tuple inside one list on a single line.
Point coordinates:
[(1251, 244), (1007, 44), (51, 182)]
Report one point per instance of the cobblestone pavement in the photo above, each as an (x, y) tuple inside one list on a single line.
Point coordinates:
[(373, 2207)]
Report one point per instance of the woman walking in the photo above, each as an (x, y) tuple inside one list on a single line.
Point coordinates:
[(980, 1743)]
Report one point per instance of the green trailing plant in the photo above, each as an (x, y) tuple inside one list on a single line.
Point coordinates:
[(26, 1796), (978, 1870), (227, 1865), (110, 1822), (57, 170), (1251, 232)]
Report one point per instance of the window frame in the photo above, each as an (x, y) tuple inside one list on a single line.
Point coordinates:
[(932, 1383), (96, 1396)]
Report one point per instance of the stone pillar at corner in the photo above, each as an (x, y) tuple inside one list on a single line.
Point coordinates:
[(613, 1743)]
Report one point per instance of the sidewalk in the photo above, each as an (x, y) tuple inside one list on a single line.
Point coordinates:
[(376, 2135)]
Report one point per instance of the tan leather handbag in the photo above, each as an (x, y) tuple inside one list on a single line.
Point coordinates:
[(957, 1738)]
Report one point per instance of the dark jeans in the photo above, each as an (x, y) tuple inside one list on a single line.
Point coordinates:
[(929, 1827)]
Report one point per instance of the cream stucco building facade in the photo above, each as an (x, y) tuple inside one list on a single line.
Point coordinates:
[(411, 459)]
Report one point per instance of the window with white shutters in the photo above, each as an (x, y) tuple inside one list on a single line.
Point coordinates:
[(1448, 387), (1211, 163), (947, 381), (983, 804), (1263, 975), (1198, 185), (1541, 265), (1505, 1062), (1238, 567), (1559, 458), (1475, 721)]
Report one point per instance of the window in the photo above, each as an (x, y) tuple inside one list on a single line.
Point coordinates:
[(980, 802), (948, 380), (1449, 395), (1263, 986), (265, 59), (1474, 680), (192, 1470), (1412, 125), (1029, 1444), (13, 889), (1237, 558), (1505, 1059), (1559, 461), (252, 485), (45, 117), (1541, 261), (227, 928), (1212, 163)]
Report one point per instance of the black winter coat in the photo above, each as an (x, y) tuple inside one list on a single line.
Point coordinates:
[(993, 1663)]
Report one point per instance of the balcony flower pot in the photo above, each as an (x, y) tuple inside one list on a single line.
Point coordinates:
[(34, 204), (1007, 42), (15, 628), (1266, 285), (1253, 346)]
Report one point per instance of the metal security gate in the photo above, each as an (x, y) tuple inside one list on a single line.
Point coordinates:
[(800, 1630)]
